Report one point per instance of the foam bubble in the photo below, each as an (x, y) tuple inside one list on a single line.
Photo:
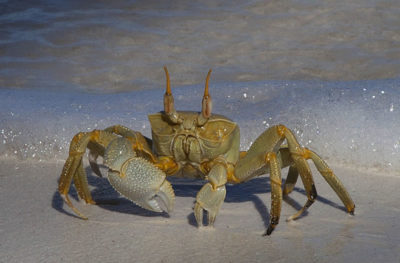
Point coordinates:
[(348, 123)]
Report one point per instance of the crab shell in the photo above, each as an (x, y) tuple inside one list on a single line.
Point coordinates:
[(191, 144)]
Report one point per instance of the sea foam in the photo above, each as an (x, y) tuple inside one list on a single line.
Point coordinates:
[(354, 123)]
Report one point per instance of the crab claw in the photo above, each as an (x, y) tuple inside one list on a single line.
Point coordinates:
[(144, 184), (208, 199), (138, 179)]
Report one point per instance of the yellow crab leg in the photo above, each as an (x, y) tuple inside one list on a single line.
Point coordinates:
[(69, 170), (73, 168), (81, 184), (276, 191), (291, 180), (332, 180), (299, 157)]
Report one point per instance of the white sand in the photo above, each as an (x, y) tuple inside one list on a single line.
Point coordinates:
[(34, 227)]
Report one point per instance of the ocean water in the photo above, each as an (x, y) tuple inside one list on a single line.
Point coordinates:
[(330, 71), (109, 46)]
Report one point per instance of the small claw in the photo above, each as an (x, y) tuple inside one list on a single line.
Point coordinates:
[(211, 217), (209, 199)]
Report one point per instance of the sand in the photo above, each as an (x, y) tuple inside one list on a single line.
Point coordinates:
[(35, 225)]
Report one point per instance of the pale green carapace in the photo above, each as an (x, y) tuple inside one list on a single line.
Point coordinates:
[(196, 145)]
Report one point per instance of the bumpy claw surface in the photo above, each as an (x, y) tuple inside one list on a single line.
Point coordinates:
[(210, 200), (144, 184)]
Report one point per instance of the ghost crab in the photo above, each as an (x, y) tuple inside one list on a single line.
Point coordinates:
[(197, 145)]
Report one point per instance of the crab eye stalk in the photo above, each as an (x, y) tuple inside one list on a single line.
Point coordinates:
[(206, 104), (169, 107)]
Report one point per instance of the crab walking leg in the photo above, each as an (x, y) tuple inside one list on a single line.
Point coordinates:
[(332, 180), (260, 159), (211, 195), (276, 191), (81, 184), (73, 168), (291, 180), (293, 174), (69, 170), (299, 156), (253, 163)]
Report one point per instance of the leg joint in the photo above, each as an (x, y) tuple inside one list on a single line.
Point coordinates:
[(281, 129), (270, 156), (274, 220), (313, 193), (302, 153)]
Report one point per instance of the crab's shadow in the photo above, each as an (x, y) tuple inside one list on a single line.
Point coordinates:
[(107, 198)]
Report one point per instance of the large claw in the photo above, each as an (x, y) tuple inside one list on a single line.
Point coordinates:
[(144, 184), (210, 200), (137, 179)]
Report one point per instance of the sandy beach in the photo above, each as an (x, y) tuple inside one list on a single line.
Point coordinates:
[(36, 226)]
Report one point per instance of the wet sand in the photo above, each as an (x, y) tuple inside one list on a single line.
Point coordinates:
[(36, 226)]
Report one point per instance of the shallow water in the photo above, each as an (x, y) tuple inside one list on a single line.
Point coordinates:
[(103, 46)]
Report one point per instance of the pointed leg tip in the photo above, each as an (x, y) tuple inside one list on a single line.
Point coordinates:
[(351, 210), (74, 209), (293, 217), (269, 230), (79, 214)]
